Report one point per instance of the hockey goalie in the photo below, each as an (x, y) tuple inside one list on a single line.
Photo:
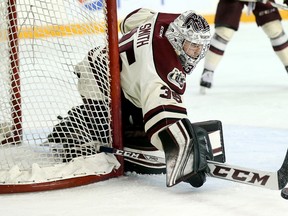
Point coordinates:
[(157, 52)]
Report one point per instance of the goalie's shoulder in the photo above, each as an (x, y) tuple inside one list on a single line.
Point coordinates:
[(135, 19)]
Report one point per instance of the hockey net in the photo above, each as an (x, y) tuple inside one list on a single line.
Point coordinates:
[(40, 44)]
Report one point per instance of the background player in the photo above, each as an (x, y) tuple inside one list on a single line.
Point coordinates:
[(227, 20)]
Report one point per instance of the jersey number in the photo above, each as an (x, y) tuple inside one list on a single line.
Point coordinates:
[(169, 94)]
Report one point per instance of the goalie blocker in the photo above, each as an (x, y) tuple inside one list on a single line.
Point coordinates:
[(139, 143)]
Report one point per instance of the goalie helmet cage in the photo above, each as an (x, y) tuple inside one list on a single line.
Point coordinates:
[(40, 44)]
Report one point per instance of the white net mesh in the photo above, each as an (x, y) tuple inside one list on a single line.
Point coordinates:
[(44, 121)]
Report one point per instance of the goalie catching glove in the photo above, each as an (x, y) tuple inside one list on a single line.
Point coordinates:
[(187, 149)]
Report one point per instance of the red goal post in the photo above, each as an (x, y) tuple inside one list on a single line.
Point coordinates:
[(41, 42)]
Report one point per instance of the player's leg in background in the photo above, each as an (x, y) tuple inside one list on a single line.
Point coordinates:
[(227, 20), (269, 19)]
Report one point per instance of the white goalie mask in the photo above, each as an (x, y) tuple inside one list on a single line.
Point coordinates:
[(189, 34)]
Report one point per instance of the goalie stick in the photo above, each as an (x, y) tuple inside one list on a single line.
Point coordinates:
[(274, 4), (270, 180)]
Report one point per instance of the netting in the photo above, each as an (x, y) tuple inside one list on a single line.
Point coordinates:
[(48, 111)]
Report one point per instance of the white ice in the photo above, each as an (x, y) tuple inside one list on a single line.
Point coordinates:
[(250, 97)]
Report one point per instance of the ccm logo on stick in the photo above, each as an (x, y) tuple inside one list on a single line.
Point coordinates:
[(239, 175), (127, 154)]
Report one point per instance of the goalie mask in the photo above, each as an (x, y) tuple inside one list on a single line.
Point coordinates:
[(189, 34)]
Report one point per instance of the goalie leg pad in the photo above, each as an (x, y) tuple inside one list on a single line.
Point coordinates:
[(186, 148)]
